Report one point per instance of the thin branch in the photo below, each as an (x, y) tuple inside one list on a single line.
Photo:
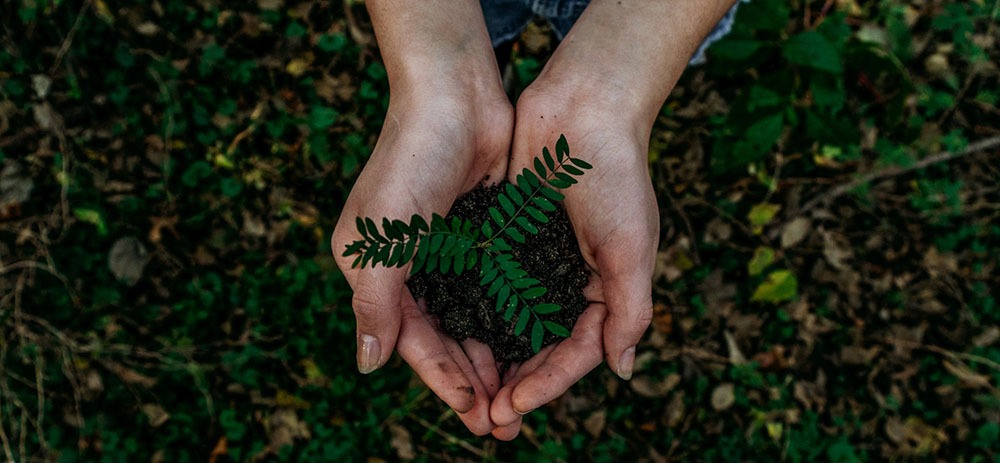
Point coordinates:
[(892, 171), (64, 47), (450, 438)]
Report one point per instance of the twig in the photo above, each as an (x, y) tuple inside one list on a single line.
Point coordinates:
[(945, 156), (3, 435), (64, 47), (451, 439)]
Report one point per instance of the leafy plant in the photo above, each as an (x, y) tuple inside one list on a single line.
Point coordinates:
[(459, 245)]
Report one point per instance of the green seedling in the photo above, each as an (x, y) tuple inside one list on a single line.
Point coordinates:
[(457, 245)]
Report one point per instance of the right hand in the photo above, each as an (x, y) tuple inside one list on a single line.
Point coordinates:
[(436, 144)]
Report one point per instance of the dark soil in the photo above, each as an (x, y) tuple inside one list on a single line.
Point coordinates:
[(552, 256)]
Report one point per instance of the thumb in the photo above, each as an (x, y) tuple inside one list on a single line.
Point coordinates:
[(628, 292), (376, 305)]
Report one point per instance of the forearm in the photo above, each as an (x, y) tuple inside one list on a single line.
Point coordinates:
[(631, 52), (434, 44)]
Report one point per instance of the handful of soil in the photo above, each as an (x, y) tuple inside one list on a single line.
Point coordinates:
[(460, 302)]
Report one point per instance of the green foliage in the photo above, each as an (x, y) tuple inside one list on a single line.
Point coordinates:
[(459, 245)]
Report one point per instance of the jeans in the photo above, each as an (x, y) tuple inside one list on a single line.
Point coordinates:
[(505, 19)]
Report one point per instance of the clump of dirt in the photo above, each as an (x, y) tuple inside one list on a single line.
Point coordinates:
[(461, 305)]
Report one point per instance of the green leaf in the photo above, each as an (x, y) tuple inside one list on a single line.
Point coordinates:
[(438, 224), (533, 180), (494, 287), (546, 308), (526, 225), (537, 335), (373, 231), (523, 184), (812, 49), (357, 261), (505, 203), (418, 223), (559, 183), (500, 245), (395, 255), (515, 272), (536, 214), (502, 297), (361, 226), (562, 148), (448, 245), (539, 168), (762, 214), (522, 283), (458, 262), (497, 217), (566, 178), (581, 163), (548, 159), (572, 170), (403, 228), (514, 234), (511, 309), (487, 229), (551, 194), (556, 329), (408, 249), (534, 293), (390, 232), (445, 264), (543, 203), (762, 257), (514, 194), (436, 242), (522, 321), (353, 248), (487, 265), (780, 286), (488, 277), (369, 255), (92, 217)]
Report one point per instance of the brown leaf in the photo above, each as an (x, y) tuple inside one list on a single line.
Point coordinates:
[(402, 442), (594, 424), (648, 387), (284, 427), (724, 396), (795, 231), (127, 259), (969, 378), (156, 414)]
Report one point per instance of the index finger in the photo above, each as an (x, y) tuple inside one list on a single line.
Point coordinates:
[(546, 377)]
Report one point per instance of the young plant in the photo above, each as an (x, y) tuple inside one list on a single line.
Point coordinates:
[(459, 246)]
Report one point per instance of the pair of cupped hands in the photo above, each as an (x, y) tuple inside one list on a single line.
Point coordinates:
[(440, 141)]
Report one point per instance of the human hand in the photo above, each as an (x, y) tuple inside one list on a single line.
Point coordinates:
[(433, 147), (615, 218)]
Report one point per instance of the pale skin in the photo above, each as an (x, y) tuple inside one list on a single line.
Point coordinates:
[(449, 126)]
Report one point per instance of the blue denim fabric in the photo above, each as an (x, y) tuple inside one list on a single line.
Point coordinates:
[(505, 19)]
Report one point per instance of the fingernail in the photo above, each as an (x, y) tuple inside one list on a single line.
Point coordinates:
[(519, 412), (369, 353), (626, 362)]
